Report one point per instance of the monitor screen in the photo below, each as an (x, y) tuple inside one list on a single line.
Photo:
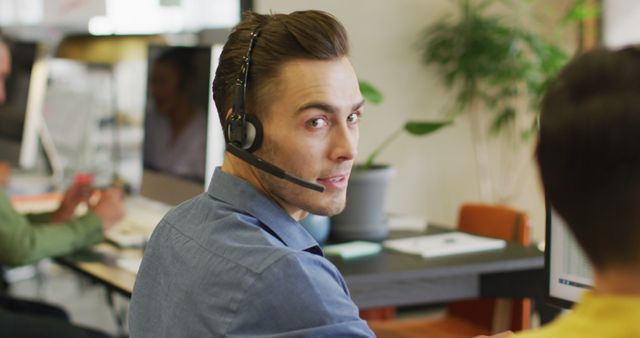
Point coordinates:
[(20, 114), (568, 271), (178, 114)]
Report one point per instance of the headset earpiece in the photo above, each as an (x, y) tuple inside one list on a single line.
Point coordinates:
[(245, 134)]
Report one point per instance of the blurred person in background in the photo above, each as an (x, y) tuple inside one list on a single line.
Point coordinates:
[(175, 127), (25, 239)]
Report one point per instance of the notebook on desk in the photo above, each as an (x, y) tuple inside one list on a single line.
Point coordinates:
[(451, 243)]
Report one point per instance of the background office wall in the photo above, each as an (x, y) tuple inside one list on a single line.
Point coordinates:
[(435, 174), (620, 22)]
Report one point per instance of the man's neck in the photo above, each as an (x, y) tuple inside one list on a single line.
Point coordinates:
[(618, 281), (236, 167)]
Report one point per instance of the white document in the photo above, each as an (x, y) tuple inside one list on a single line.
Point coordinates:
[(452, 243), (142, 216), (130, 264)]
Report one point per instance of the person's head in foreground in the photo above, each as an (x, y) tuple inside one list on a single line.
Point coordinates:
[(589, 159)]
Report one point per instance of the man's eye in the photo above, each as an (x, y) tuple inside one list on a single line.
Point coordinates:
[(317, 123), (353, 118)]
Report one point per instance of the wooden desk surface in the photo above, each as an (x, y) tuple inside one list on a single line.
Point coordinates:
[(99, 263), (386, 279)]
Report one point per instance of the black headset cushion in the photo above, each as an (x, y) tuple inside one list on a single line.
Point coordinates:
[(252, 139)]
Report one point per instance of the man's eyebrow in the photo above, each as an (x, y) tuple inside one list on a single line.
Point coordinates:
[(358, 105), (326, 107)]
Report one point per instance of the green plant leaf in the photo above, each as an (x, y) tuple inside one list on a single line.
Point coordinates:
[(581, 10), (370, 93), (507, 115), (420, 128), (369, 162), (491, 62)]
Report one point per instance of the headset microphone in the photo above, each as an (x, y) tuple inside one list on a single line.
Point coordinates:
[(243, 132), (270, 168)]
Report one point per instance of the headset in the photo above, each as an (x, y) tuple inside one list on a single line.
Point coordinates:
[(243, 131)]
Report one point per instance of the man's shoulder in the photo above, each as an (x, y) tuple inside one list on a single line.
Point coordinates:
[(305, 269), (213, 228), (302, 292), (197, 209)]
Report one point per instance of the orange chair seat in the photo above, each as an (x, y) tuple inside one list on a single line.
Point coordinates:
[(438, 327), (470, 318)]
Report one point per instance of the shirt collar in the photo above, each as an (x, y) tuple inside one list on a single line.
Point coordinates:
[(246, 198)]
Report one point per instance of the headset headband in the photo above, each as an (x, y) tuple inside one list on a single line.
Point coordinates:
[(241, 82)]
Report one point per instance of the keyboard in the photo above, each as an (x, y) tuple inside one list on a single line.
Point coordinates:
[(142, 216)]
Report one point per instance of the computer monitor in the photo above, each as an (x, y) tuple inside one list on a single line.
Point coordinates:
[(568, 272), (20, 115), (181, 142)]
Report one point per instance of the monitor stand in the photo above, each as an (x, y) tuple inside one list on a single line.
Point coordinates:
[(51, 157), (44, 178)]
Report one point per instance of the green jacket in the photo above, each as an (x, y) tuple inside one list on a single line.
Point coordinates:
[(25, 239)]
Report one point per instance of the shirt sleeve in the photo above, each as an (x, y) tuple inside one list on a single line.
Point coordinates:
[(300, 295), (40, 218), (23, 242)]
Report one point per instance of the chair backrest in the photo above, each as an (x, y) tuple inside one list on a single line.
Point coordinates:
[(498, 222), (495, 221)]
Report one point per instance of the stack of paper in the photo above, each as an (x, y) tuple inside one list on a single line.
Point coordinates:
[(444, 244)]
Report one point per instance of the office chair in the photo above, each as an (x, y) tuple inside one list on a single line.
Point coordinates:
[(468, 318)]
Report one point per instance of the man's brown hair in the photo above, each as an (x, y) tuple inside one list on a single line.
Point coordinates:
[(283, 37)]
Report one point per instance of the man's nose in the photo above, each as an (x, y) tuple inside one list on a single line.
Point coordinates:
[(345, 143)]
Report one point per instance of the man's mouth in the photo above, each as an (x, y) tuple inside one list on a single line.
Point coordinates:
[(335, 181)]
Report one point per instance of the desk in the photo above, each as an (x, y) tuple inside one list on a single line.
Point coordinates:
[(396, 279), (390, 278)]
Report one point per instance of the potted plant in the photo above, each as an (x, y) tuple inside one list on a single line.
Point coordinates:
[(499, 71), (364, 218)]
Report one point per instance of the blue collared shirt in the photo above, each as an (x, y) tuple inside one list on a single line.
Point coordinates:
[(232, 263)]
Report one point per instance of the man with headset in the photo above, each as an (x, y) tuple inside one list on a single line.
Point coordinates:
[(234, 261)]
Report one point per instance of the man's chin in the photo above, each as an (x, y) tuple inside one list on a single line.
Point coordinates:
[(330, 210)]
